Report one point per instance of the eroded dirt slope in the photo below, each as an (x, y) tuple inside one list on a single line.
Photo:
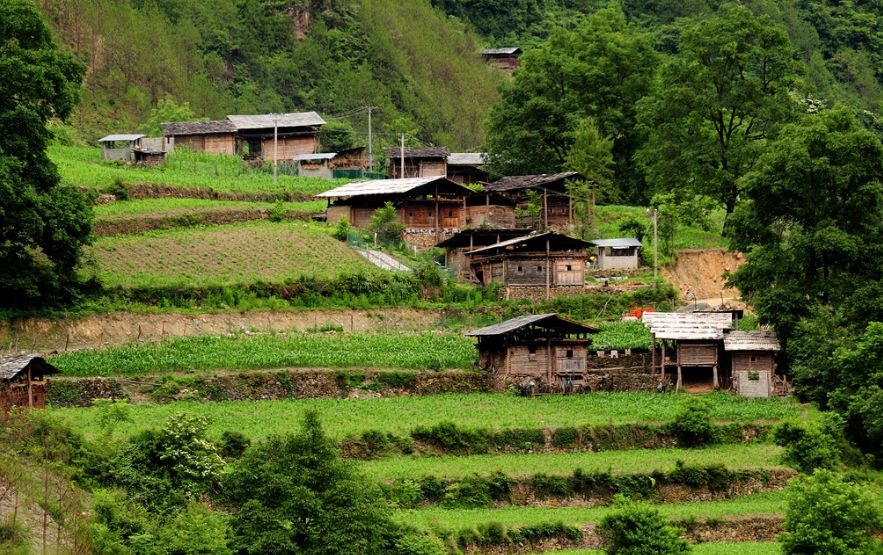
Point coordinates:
[(699, 274)]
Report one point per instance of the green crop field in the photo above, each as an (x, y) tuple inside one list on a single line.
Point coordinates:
[(335, 349), (174, 207), (435, 518), (83, 167), (223, 255), (735, 457), (400, 415), (621, 335)]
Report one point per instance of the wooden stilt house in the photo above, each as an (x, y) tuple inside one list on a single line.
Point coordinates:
[(22, 383), (556, 208), (543, 348), (457, 245)]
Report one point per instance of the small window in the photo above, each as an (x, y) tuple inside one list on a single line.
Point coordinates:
[(569, 268), (520, 269), (752, 358), (531, 353), (569, 353), (450, 213), (539, 269)]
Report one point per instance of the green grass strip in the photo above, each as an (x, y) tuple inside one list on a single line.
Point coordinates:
[(389, 350), (644, 461), (400, 415), (711, 548), (772, 503)]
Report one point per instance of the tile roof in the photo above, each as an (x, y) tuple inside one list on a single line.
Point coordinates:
[(198, 127), (515, 182)]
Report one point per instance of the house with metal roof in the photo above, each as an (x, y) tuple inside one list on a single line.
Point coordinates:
[(617, 254), (120, 147), (471, 238), (555, 205), (546, 349), (22, 381), (537, 266), (506, 58)]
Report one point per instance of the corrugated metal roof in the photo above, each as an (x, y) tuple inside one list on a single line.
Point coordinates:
[(620, 243), (686, 326), (552, 319), (515, 182), (317, 156), (466, 159), (120, 137), (265, 121), (424, 152), (501, 51), (524, 238), (178, 128), (758, 340), (387, 187), (10, 367)]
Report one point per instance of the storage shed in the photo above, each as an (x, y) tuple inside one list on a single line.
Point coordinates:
[(457, 245), (697, 340), (213, 137), (421, 202), (419, 162), (556, 209), (467, 167), (617, 254), (506, 58), (22, 383), (535, 267), (546, 348), (120, 147), (752, 360)]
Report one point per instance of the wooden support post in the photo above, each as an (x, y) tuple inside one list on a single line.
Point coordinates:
[(436, 214), (715, 379), (30, 387), (680, 380), (549, 359), (569, 210), (548, 272), (662, 355), (545, 210), (653, 353)]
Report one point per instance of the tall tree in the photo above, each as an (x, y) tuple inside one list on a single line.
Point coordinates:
[(718, 101), (599, 70), (42, 225)]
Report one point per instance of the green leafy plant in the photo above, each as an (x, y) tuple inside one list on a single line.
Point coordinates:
[(635, 529)]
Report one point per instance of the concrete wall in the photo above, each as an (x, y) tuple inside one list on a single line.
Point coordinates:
[(606, 261), (761, 387), (118, 154)]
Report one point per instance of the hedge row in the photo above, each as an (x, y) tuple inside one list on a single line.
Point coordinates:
[(498, 488), (494, 534), (450, 439)]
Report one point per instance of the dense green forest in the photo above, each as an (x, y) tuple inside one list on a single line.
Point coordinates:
[(420, 70)]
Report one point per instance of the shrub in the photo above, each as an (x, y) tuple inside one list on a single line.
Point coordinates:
[(565, 438), (342, 229), (827, 515), (636, 529), (520, 439), (451, 438), (233, 444), (419, 543), (400, 380), (277, 212), (693, 426), (806, 449), (545, 531), (469, 492)]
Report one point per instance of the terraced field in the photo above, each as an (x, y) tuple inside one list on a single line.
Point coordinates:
[(223, 255)]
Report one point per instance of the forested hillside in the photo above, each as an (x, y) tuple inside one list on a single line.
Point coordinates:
[(419, 69)]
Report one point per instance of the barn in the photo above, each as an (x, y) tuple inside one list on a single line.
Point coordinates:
[(545, 348), (539, 266), (556, 209), (22, 381)]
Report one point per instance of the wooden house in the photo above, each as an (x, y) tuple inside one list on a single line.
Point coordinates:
[(22, 382), (213, 137), (489, 210), (536, 266), (617, 254), (419, 162), (433, 203), (466, 167), (506, 58), (556, 208), (250, 136), (752, 357), (457, 245), (544, 348)]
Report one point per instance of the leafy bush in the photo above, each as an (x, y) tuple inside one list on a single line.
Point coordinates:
[(386, 225), (233, 444), (342, 229), (827, 515), (419, 543), (453, 439), (565, 438), (693, 426), (806, 449), (636, 529)]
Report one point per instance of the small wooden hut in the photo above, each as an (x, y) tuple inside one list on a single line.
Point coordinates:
[(467, 167), (271, 137), (697, 347), (506, 58), (617, 254), (22, 383), (457, 245), (213, 137), (752, 360), (419, 162), (546, 348), (537, 266), (556, 208)]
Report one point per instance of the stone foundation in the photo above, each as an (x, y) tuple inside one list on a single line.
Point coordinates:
[(538, 293)]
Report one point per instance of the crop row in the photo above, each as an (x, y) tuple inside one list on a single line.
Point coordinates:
[(170, 207), (400, 415), (336, 349), (242, 253)]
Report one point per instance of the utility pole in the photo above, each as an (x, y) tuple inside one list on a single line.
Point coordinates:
[(402, 160), (370, 148), (275, 147), (655, 242)]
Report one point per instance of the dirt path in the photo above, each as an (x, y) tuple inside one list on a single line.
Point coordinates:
[(43, 335)]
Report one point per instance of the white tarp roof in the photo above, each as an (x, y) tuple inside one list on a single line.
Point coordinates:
[(264, 121), (120, 137)]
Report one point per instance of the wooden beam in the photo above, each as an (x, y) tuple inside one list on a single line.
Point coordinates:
[(548, 272), (680, 380)]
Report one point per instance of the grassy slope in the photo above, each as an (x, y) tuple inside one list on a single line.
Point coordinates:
[(390, 350), (223, 255), (400, 415), (172, 207), (736, 457)]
